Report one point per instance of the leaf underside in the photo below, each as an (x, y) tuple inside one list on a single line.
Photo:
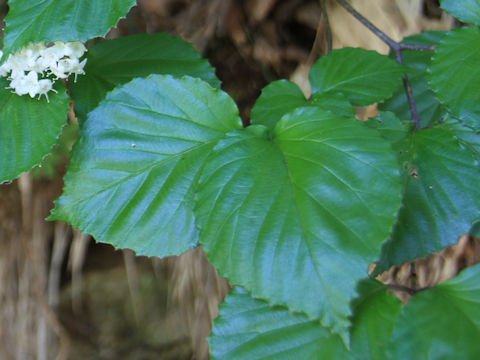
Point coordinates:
[(468, 11)]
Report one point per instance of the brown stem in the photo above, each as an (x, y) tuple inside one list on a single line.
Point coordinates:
[(397, 48), (327, 23)]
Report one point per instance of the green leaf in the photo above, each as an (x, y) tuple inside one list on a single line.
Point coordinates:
[(283, 96), (116, 62), (28, 129), (277, 98), (455, 74), (468, 11), (428, 107), (64, 20), (442, 322), (363, 76), (249, 329), (467, 136), (442, 198), (334, 102), (132, 176), (303, 214), (375, 313), (390, 127), (60, 153)]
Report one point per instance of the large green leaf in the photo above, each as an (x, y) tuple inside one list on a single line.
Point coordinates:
[(115, 62), (467, 11), (28, 129), (249, 329), (441, 323), (455, 73), (297, 219), (132, 176), (428, 107), (363, 76), (442, 198), (65, 20)]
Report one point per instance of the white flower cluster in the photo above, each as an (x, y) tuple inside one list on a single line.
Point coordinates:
[(34, 68)]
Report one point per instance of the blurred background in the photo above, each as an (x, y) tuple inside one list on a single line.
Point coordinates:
[(63, 296)]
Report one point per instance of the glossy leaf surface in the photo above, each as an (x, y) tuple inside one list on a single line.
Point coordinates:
[(442, 322), (65, 20), (455, 73), (467, 11), (315, 203), (28, 129), (363, 76), (116, 62), (442, 198), (467, 136), (249, 329), (132, 176)]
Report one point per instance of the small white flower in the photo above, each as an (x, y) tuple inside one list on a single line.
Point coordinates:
[(59, 48), (60, 69), (25, 84), (44, 86), (29, 68), (75, 49), (17, 65), (4, 69), (47, 60), (71, 66)]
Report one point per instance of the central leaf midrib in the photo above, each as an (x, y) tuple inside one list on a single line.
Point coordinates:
[(302, 225)]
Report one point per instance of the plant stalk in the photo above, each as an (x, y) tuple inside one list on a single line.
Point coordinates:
[(323, 6), (397, 48)]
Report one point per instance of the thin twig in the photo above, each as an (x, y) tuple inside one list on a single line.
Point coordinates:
[(397, 48), (315, 46), (323, 6), (409, 93), (416, 47), (385, 38)]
